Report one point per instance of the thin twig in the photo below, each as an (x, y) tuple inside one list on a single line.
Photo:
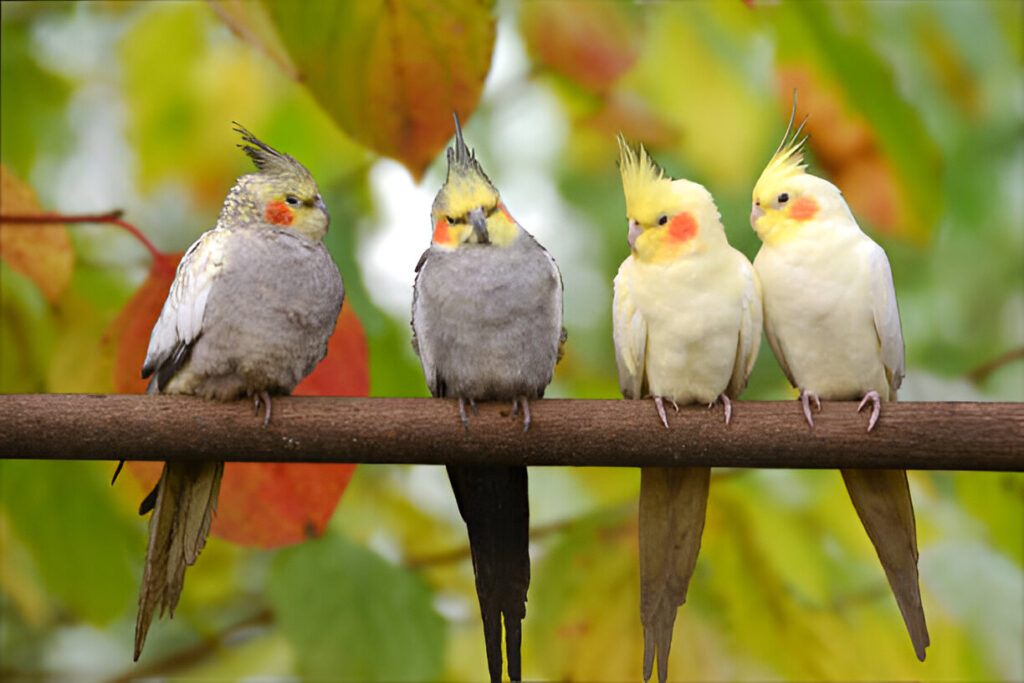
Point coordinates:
[(188, 657), (979, 373), (160, 259)]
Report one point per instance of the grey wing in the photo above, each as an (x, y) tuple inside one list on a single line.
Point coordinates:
[(629, 331), (419, 323), (750, 329), (886, 314), (181, 319)]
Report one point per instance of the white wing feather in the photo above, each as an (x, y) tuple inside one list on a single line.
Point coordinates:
[(181, 319), (887, 318), (750, 329), (629, 330)]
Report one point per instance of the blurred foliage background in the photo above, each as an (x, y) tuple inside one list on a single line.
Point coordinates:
[(916, 112)]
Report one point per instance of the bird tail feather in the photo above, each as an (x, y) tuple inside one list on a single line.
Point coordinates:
[(673, 501), (186, 499), (494, 503), (882, 500)]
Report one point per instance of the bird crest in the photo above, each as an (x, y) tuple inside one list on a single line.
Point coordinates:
[(644, 184), (462, 160), (267, 159), (788, 160)]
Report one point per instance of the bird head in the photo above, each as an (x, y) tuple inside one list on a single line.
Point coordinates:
[(667, 218), (787, 200), (281, 192), (468, 208)]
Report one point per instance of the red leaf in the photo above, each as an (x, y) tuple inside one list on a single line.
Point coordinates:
[(261, 504), (591, 43)]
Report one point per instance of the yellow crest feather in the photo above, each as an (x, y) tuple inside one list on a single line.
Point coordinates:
[(643, 182), (788, 159)]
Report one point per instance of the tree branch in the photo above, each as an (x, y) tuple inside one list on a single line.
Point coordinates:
[(953, 436)]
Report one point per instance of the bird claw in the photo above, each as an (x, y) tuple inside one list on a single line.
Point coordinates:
[(805, 397), (876, 409), (727, 404), (261, 397), (660, 403), (526, 413)]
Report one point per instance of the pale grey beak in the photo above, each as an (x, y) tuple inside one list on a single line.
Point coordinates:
[(755, 213), (634, 233), (479, 222)]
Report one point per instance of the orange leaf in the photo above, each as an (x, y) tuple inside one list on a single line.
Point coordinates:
[(391, 73), (41, 253), (591, 43), (261, 504)]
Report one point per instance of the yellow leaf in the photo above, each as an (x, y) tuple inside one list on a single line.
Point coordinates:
[(40, 252)]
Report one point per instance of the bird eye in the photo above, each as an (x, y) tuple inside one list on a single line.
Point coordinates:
[(292, 200), (663, 220), (783, 198), (451, 221)]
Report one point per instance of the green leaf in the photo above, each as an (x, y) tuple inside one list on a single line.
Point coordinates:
[(86, 550), (391, 73), (350, 615)]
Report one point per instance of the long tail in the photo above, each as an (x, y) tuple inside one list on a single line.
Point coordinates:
[(672, 505), (186, 498), (882, 500), (493, 502)]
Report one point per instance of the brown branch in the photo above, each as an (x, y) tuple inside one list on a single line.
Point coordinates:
[(979, 373), (193, 655), (951, 436), (160, 259)]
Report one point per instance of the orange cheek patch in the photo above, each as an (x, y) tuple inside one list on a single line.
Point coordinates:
[(804, 208), (442, 233), (278, 213), (682, 228)]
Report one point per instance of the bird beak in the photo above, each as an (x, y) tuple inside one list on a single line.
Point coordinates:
[(479, 222), (634, 233), (755, 214), (319, 203)]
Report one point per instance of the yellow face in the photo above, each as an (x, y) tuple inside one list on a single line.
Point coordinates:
[(781, 210), (468, 210), (295, 203)]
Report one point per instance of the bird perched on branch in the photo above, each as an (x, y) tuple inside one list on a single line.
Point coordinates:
[(832, 320), (250, 310), (487, 325), (687, 326)]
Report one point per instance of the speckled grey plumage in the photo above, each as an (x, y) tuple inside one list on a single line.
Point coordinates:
[(487, 320)]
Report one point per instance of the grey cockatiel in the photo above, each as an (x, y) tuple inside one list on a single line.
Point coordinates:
[(249, 313), (487, 325)]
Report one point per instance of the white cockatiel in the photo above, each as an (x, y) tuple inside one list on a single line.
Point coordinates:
[(687, 327), (831, 319)]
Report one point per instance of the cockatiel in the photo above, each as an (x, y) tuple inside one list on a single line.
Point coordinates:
[(832, 320), (687, 327), (487, 325), (250, 310)]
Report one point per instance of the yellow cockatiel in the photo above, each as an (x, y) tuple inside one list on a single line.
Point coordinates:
[(687, 326), (831, 319)]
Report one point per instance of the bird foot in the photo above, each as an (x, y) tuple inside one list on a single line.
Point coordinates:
[(805, 397), (726, 403), (462, 412), (660, 404), (261, 397), (526, 411), (876, 409)]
